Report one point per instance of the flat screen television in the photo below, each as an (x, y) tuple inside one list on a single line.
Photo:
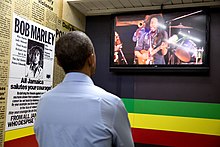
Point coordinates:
[(169, 40)]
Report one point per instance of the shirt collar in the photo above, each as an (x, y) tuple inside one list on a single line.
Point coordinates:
[(77, 77)]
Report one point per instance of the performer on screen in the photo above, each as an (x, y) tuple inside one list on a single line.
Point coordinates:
[(119, 57), (117, 47), (152, 45), (139, 33)]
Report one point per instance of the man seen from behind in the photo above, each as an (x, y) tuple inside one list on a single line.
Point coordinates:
[(76, 113)]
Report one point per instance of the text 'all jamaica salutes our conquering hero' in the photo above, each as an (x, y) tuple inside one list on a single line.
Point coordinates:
[(25, 29)]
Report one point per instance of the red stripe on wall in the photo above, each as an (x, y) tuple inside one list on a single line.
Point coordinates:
[(144, 136), (28, 141), (178, 139)]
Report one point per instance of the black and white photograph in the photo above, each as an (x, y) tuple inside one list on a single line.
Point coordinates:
[(34, 62)]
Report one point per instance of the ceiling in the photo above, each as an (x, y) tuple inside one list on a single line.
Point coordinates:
[(107, 7)]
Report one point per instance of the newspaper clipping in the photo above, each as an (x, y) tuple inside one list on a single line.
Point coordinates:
[(28, 31), (5, 34), (32, 54)]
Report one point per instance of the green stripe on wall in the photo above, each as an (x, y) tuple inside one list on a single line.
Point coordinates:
[(129, 104), (173, 108)]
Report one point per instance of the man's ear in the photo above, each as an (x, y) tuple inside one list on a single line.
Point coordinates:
[(91, 60)]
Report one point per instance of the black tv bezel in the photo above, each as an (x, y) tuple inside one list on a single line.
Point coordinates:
[(162, 68)]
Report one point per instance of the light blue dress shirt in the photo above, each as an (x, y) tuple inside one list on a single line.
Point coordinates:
[(76, 113)]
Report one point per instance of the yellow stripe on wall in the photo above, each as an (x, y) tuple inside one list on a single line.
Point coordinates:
[(147, 121), (18, 133), (175, 123), (131, 118)]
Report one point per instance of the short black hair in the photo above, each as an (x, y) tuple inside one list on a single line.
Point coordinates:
[(72, 49)]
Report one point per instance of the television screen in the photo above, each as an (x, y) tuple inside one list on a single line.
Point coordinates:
[(160, 41)]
